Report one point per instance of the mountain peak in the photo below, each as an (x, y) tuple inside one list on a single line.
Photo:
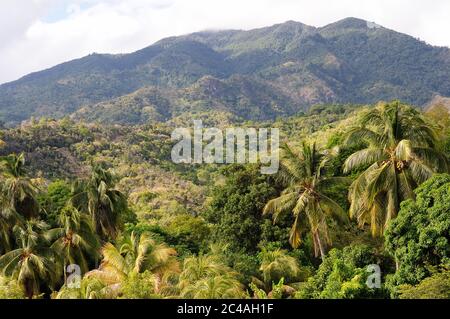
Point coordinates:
[(293, 23), (350, 23)]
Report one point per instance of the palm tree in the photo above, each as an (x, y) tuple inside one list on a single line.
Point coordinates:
[(206, 277), (98, 197), (5, 236), (278, 291), (203, 266), (137, 255), (216, 287), (277, 264), (75, 241), (8, 219), (18, 191), (400, 155), (277, 268), (305, 195), (90, 288), (32, 262)]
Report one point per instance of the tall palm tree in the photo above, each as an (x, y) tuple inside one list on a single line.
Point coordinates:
[(75, 241), (145, 253), (18, 191), (8, 219), (5, 236), (136, 255), (33, 261), (98, 197), (401, 154), (305, 197), (206, 277)]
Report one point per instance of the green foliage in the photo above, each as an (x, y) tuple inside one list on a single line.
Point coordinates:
[(10, 289), (188, 231), (139, 286), (54, 200), (187, 234), (419, 237), (277, 291), (90, 288), (191, 231), (235, 208), (342, 275), (435, 287), (277, 265), (206, 277)]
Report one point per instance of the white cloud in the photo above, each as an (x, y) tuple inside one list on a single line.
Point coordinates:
[(30, 43)]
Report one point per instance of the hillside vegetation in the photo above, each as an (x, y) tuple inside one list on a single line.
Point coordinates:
[(358, 187)]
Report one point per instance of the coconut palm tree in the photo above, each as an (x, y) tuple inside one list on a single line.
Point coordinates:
[(203, 266), (32, 262), (137, 255), (75, 241), (90, 288), (216, 287), (277, 268), (8, 218), (206, 277), (400, 155), (277, 264), (98, 197), (18, 191), (304, 195), (277, 291), (153, 257)]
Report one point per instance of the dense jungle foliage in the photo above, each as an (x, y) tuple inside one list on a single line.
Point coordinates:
[(360, 208)]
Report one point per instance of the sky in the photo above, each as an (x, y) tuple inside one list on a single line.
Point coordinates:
[(38, 34)]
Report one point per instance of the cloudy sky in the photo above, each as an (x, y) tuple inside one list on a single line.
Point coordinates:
[(37, 34)]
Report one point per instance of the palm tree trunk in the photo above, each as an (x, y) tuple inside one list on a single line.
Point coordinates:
[(65, 274), (28, 289), (157, 283), (319, 243)]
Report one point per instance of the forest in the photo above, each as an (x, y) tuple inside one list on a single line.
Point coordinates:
[(99, 211)]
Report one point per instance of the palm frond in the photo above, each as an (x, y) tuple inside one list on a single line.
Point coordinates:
[(364, 158)]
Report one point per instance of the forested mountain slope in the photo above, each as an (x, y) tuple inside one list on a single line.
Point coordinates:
[(258, 74)]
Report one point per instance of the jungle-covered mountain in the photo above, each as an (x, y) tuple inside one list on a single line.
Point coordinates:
[(257, 74)]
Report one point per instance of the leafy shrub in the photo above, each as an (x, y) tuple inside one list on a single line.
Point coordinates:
[(343, 275), (419, 237)]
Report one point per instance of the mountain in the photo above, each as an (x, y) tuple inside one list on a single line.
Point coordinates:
[(438, 101), (257, 74), (238, 95)]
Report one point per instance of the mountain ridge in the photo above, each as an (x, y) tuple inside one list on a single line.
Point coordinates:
[(348, 61)]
